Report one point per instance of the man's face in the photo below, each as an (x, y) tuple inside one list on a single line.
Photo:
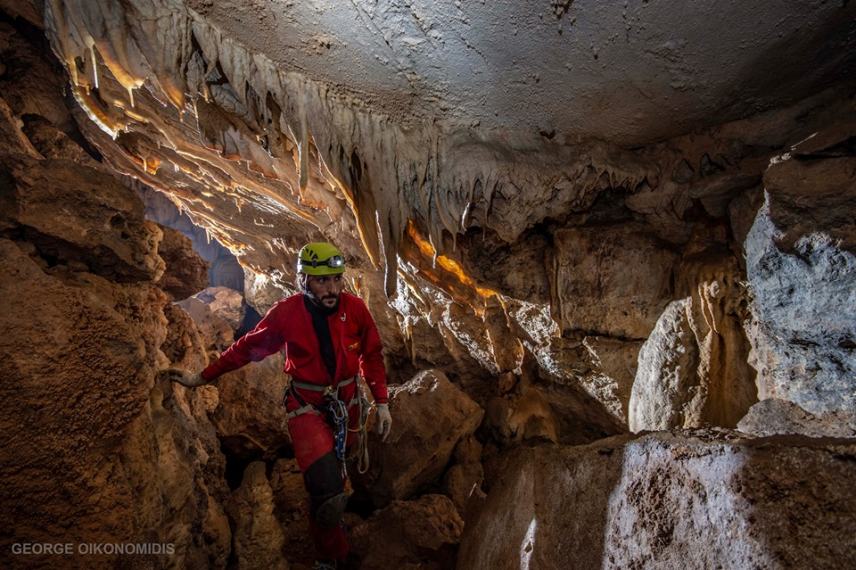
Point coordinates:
[(326, 288)]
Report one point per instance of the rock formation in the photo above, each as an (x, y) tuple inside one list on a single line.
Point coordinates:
[(570, 221), (431, 415), (696, 500)]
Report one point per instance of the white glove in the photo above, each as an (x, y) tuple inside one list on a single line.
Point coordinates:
[(189, 379), (383, 425)]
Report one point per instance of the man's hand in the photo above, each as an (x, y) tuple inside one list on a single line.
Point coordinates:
[(384, 421), (189, 379)]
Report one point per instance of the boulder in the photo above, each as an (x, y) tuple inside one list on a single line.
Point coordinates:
[(693, 369), (218, 333), (186, 273), (258, 539), (666, 375), (422, 533), (430, 415), (226, 303), (774, 416), (702, 499), (803, 307)]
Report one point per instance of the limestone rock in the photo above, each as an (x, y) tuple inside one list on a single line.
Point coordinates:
[(98, 429), (12, 135), (430, 415), (217, 332), (803, 316), (54, 143), (611, 370), (225, 303), (666, 376), (186, 273), (258, 538), (422, 533), (291, 506), (592, 289), (463, 481), (697, 500), (31, 85), (250, 417), (524, 415), (774, 416), (693, 369), (183, 346), (814, 194), (77, 214), (223, 268)]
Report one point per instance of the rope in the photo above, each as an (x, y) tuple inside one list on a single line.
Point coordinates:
[(363, 462), (336, 411)]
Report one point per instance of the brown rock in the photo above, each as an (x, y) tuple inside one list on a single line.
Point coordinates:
[(250, 417), (592, 289), (226, 303), (217, 333), (808, 196), (522, 416), (422, 533), (186, 273), (54, 143), (462, 482), (430, 415), (77, 214), (774, 417), (11, 134), (258, 539), (31, 85), (183, 345), (693, 369), (701, 500), (87, 427), (291, 506)]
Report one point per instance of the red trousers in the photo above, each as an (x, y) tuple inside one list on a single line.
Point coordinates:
[(313, 440)]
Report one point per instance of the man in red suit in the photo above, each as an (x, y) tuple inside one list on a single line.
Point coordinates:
[(328, 337)]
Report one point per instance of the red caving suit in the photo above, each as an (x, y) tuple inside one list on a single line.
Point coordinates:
[(288, 326)]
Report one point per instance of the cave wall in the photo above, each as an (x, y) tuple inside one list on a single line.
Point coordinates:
[(552, 260), (94, 449), (572, 288)]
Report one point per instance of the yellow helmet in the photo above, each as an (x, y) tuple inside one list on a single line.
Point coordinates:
[(320, 258)]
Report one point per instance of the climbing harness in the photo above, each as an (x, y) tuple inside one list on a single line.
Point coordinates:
[(335, 410)]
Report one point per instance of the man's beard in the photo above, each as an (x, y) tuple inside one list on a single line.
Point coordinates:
[(318, 302)]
